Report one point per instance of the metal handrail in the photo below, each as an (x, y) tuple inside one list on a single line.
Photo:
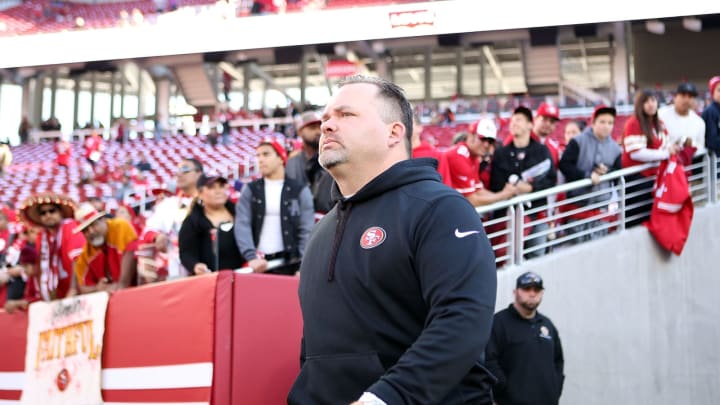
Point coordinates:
[(562, 188), (601, 217)]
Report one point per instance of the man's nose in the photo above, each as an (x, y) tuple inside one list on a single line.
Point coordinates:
[(327, 126)]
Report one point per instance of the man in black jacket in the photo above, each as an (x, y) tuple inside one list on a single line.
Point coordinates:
[(524, 352), (397, 285), (304, 166), (528, 165), (274, 215)]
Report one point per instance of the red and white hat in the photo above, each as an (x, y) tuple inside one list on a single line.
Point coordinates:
[(159, 191), (484, 128), (281, 151), (548, 110), (86, 215), (713, 83)]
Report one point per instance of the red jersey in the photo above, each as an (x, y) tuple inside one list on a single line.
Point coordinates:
[(634, 140), (672, 210), (93, 147), (464, 169), (63, 149), (427, 150), (56, 254), (96, 263)]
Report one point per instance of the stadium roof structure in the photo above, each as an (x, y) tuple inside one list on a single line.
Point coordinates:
[(186, 34)]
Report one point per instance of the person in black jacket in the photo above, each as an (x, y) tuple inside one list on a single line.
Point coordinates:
[(398, 283), (528, 165), (206, 238), (524, 352), (274, 215), (304, 166)]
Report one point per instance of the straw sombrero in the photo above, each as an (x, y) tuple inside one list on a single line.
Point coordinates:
[(28, 209)]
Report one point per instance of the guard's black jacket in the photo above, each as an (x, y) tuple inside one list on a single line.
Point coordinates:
[(526, 357)]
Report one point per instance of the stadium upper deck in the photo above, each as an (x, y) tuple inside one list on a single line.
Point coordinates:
[(173, 36)]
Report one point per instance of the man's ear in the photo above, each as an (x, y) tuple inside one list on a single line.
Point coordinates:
[(397, 133)]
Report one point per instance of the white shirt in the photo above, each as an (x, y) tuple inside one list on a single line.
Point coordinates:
[(680, 127), (271, 233), (167, 218)]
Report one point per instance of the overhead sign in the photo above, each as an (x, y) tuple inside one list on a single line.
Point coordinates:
[(412, 19), (340, 68)]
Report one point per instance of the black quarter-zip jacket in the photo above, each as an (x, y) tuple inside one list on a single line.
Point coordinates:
[(526, 357), (397, 290)]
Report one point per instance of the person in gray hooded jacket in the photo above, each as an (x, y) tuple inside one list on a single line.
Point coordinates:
[(590, 155)]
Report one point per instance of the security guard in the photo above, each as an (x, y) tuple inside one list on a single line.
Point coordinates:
[(524, 351)]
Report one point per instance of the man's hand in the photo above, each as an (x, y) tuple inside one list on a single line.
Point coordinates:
[(524, 187), (509, 191), (600, 169), (161, 242), (15, 271), (13, 305), (200, 268), (258, 265), (595, 178), (674, 148), (105, 285)]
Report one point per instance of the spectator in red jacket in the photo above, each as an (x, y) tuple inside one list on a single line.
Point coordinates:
[(464, 160), (644, 140), (63, 150)]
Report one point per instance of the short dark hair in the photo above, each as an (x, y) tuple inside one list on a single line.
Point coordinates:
[(196, 163), (522, 110), (399, 106)]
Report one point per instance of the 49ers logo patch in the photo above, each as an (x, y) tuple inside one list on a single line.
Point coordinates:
[(372, 237), (63, 379)]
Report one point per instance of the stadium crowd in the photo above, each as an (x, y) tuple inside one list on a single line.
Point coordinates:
[(52, 246)]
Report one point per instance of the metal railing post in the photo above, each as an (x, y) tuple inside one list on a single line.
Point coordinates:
[(519, 233), (713, 180), (511, 235), (622, 203)]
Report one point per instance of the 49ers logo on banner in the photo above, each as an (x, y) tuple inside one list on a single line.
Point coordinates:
[(63, 379), (372, 237)]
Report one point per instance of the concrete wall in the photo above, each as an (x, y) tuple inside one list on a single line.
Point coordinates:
[(638, 325)]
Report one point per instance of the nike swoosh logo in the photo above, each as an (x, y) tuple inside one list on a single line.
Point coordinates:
[(461, 235)]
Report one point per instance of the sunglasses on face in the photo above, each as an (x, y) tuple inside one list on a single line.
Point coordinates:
[(185, 169), (47, 211)]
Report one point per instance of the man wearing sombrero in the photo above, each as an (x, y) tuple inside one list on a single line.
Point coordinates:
[(57, 245), (99, 266)]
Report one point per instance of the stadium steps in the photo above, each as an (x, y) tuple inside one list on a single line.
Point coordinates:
[(196, 85)]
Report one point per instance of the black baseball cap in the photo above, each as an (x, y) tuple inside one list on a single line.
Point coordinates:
[(529, 279), (687, 88), (208, 180)]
